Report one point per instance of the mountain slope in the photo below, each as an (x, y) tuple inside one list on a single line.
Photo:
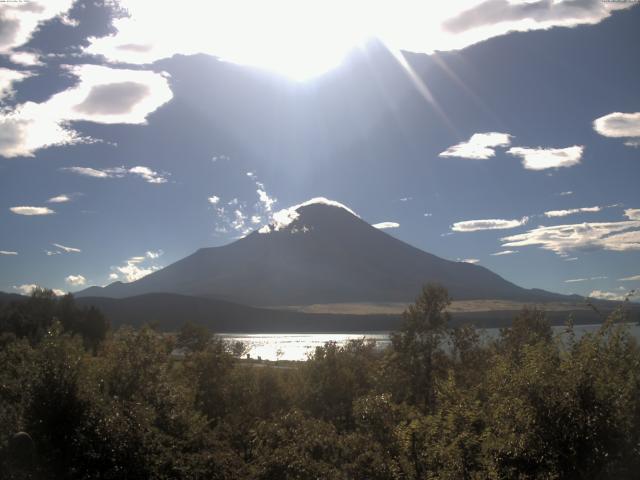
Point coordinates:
[(319, 252)]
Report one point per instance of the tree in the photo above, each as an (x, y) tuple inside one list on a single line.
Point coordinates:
[(417, 345)]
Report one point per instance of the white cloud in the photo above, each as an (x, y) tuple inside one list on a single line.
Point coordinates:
[(428, 215), (255, 219), (599, 294), (265, 199), (28, 59), (291, 37), (7, 252), (66, 249), (154, 254), (7, 79), (28, 288), (632, 213), (133, 269), (543, 158), (480, 146), (633, 278), (578, 280), (561, 239), (214, 200), (59, 199), (286, 216), (383, 225), (75, 280), (25, 210), (18, 20), (488, 224), (620, 125), (102, 95), (571, 211), (564, 194), (469, 260), (405, 199), (149, 176), (504, 252)]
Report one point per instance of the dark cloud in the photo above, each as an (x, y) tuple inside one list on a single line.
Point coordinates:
[(113, 99)]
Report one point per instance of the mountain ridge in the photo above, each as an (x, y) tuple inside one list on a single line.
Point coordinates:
[(319, 252)]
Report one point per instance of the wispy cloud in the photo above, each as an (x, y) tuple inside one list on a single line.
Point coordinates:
[(633, 278), (31, 211), (543, 158), (8, 252), (148, 175), (488, 224), (469, 260), (384, 225), (579, 280), (60, 199), (620, 125), (66, 249), (561, 239), (504, 252), (480, 146), (571, 211)]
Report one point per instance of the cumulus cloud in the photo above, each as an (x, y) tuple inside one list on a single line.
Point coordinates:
[(75, 280), (571, 211), (29, 211), (632, 213), (28, 288), (286, 216), (504, 252), (383, 225), (214, 200), (18, 20), (59, 199), (543, 158), (102, 95), (620, 125), (480, 146), (148, 175), (7, 79), (136, 267), (614, 296), (291, 37), (8, 252), (27, 59), (561, 239), (488, 224)]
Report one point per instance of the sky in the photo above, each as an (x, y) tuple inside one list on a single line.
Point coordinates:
[(503, 133)]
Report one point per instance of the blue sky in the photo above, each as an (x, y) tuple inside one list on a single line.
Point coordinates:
[(503, 127)]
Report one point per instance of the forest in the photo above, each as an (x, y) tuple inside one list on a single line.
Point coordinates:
[(79, 400)]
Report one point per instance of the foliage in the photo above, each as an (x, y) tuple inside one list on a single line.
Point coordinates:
[(440, 402)]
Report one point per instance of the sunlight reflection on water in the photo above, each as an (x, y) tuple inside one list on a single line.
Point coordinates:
[(297, 346)]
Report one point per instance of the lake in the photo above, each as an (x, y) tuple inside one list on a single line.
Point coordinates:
[(297, 346)]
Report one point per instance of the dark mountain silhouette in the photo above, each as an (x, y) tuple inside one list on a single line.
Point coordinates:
[(319, 253)]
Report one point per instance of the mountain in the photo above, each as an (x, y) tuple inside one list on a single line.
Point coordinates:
[(319, 252)]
